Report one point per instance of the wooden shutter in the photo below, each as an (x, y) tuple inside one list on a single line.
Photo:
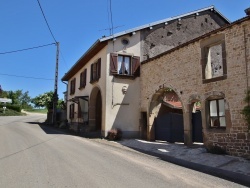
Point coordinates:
[(91, 73), (71, 111), (113, 63), (136, 66), (84, 77), (99, 68)]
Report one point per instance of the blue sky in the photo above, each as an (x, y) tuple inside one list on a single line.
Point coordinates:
[(76, 24)]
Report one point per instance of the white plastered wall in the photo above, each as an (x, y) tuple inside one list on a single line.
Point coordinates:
[(122, 110)]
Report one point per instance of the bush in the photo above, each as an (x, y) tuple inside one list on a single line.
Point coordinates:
[(114, 134), (12, 107)]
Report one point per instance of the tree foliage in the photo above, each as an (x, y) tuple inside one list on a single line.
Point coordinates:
[(18, 97), (44, 100)]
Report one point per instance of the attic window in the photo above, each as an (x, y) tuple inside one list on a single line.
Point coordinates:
[(125, 41)]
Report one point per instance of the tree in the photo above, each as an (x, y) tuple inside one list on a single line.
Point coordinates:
[(44, 100), (25, 100), (18, 98)]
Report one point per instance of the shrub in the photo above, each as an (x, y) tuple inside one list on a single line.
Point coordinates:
[(114, 134), (12, 107)]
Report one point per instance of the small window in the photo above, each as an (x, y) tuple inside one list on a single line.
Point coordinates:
[(124, 65), (125, 42), (213, 60), (95, 71), (217, 113), (83, 78), (71, 111), (72, 86)]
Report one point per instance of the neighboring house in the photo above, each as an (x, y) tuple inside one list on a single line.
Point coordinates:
[(104, 84), (210, 72)]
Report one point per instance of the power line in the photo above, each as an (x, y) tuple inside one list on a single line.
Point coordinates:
[(26, 49), (26, 77), (46, 21)]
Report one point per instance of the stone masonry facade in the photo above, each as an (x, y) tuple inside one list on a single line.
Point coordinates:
[(181, 70)]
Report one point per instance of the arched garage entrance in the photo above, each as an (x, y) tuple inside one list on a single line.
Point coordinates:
[(95, 110), (166, 117)]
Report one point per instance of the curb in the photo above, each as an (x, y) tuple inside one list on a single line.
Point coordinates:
[(224, 174)]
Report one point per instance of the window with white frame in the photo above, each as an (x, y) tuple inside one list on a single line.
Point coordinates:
[(217, 113)]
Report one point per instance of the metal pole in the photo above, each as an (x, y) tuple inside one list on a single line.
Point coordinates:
[(55, 96)]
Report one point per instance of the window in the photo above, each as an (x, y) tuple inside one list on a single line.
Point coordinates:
[(213, 59), (83, 78), (124, 65), (72, 86), (217, 113), (95, 71), (71, 111)]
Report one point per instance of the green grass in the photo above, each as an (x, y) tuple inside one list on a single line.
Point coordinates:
[(42, 111), (9, 112)]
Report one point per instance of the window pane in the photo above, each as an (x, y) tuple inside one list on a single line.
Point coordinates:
[(119, 66), (215, 122), (222, 121), (221, 107), (127, 65), (213, 108)]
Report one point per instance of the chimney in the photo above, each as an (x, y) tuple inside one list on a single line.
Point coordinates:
[(247, 11)]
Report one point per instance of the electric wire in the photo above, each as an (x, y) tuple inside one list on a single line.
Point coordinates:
[(51, 30), (26, 77), (31, 48), (46, 21)]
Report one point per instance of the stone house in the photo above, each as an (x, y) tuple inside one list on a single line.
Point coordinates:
[(103, 86), (208, 77)]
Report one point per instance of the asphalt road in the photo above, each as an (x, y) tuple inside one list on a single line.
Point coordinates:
[(37, 156)]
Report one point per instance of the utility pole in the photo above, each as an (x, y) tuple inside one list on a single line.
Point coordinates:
[(55, 96)]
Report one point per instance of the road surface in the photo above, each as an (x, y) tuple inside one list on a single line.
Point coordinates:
[(37, 156)]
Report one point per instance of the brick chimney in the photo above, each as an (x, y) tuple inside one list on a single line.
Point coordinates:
[(247, 11)]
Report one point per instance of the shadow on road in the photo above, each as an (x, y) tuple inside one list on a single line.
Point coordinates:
[(48, 129)]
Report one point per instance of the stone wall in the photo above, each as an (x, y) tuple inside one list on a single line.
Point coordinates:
[(166, 36), (181, 70)]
